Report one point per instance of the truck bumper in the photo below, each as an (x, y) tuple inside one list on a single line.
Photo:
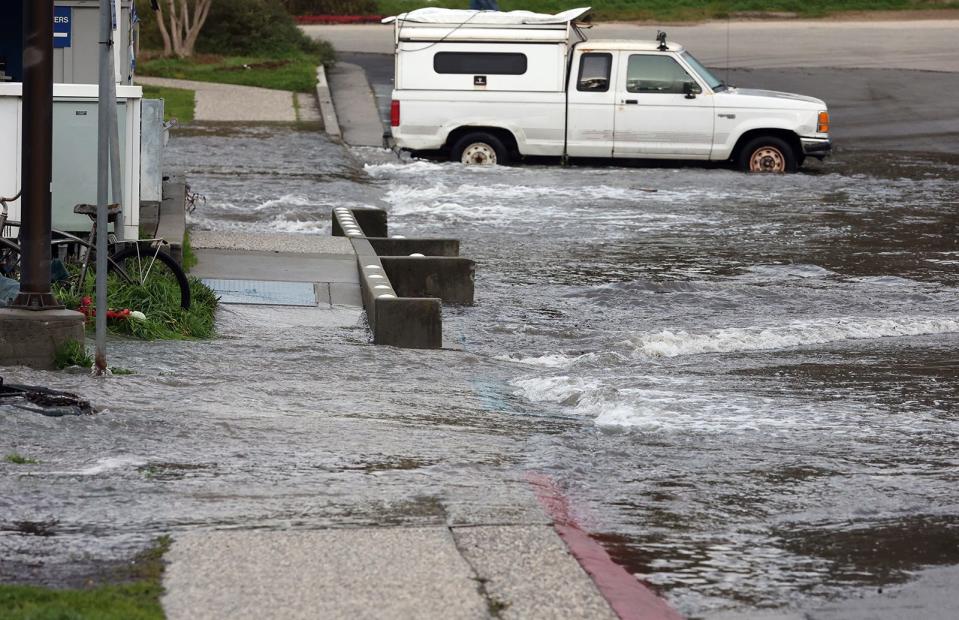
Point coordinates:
[(816, 147)]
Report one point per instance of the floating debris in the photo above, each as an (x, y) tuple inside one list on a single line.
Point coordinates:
[(51, 403)]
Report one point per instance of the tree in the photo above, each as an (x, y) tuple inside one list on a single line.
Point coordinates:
[(179, 26)]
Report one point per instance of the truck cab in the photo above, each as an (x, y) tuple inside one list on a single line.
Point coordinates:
[(488, 88)]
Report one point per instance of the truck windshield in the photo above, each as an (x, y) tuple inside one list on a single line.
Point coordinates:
[(713, 82)]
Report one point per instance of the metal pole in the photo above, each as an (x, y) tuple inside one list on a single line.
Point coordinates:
[(103, 181), (37, 157), (116, 181)]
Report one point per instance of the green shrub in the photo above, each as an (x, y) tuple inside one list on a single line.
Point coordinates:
[(330, 7), (236, 27)]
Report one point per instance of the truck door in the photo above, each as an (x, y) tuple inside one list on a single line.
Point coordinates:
[(661, 110), (589, 130)]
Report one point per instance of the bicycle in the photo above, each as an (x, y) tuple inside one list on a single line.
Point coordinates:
[(141, 263)]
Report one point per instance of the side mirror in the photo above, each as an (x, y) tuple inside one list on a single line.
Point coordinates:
[(690, 89)]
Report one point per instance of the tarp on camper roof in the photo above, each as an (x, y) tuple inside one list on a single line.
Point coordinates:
[(491, 18)]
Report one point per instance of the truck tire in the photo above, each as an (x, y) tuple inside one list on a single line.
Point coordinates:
[(480, 149), (768, 154)]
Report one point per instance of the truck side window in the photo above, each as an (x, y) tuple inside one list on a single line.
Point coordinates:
[(649, 73), (594, 72), (480, 63)]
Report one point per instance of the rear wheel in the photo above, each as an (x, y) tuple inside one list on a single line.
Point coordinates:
[(154, 270), (480, 149), (768, 154)]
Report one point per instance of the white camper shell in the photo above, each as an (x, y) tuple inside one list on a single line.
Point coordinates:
[(488, 87)]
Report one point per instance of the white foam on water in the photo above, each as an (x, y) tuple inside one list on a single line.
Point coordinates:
[(286, 200), (103, 465), (281, 224), (414, 168), (550, 360), (778, 272), (678, 404), (795, 334)]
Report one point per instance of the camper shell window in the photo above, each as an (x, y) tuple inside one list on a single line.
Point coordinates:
[(480, 63)]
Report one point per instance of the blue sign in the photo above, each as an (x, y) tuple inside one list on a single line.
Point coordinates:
[(62, 17)]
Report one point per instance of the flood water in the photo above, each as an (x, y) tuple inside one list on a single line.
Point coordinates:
[(747, 385)]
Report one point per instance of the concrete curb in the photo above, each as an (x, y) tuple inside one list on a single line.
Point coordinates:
[(325, 99)]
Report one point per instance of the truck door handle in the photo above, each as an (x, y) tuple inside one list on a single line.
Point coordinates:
[(631, 101)]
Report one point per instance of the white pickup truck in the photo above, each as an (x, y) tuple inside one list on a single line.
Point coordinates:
[(490, 87)]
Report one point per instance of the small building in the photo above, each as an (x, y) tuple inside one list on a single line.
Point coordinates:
[(75, 93)]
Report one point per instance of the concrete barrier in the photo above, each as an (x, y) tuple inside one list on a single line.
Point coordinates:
[(324, 98), (450, 279), (403, 295), (391, 246)]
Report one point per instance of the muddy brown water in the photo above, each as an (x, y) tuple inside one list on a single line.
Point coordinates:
[(747, 385)]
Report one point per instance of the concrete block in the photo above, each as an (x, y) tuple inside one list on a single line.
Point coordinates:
[(413, 323), (372, 221), (450, 279), (386, 246), (171, 219), (30, 338)]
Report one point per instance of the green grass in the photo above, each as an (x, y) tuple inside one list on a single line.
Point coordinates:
[(681, 10), (135, 595), (19, 459), (158, 299), (72, 353), (189, 256), (178, 103), (294, 72)]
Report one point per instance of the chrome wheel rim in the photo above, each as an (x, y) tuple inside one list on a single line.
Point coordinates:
[(767, 159), (479, 154)]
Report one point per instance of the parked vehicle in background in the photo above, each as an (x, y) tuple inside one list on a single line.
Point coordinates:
[(491, 88)]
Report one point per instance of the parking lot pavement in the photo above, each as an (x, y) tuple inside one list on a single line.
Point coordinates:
[(927, 45)]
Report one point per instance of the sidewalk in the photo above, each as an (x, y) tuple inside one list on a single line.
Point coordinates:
[(502, 560), (230, 103)]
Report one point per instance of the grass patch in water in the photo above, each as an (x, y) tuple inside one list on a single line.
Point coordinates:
[(159, 300), (189, 259), (134, 595), (72, 353), (18, 459)]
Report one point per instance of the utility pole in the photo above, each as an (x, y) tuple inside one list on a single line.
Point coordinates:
[(37, 158), (106, 129)]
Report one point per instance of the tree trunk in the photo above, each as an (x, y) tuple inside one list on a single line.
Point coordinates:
[(161, 23)]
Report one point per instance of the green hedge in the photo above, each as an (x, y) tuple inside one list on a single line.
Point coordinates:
[(331, 7), (236, 27)]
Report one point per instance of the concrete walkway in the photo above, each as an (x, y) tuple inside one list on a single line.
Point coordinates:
[(355, 105), (521, 572), (230, 103), (327, 263)]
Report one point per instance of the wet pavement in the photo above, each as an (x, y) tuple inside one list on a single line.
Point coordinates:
[(747, 385)]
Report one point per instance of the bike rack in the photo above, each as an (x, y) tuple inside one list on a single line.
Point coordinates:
[(404, 282)]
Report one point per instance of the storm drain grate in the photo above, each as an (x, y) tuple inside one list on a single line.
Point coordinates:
[(263, 292)]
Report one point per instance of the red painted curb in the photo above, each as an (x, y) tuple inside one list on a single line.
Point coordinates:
[(629, 598)]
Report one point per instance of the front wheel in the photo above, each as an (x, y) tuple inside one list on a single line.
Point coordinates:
[(768, 154), (154, 270), (480, 149)]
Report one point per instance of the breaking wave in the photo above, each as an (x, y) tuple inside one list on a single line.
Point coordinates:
[(796, 334)]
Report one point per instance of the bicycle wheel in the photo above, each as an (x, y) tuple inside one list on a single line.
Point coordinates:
[(147, 266), (9, 262)]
